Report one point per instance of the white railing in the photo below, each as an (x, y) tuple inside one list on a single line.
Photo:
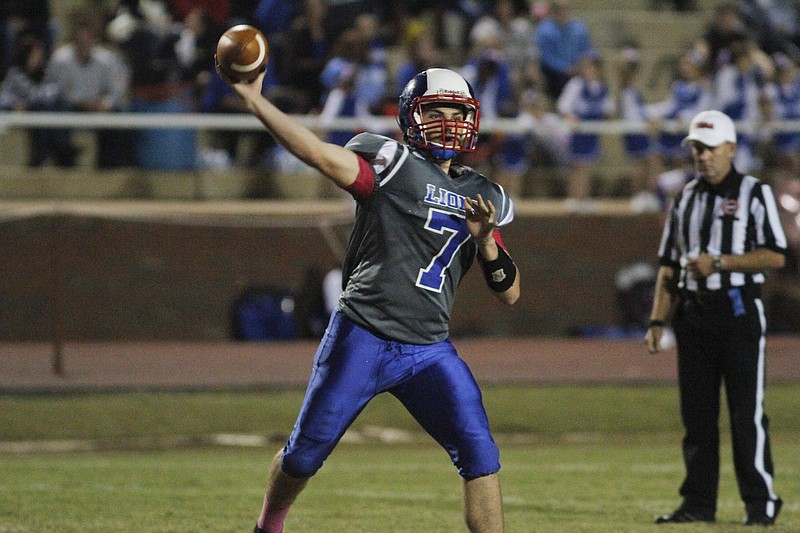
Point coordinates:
[(208, 121)]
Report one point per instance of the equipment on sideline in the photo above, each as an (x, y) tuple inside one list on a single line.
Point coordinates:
[(242, 52)]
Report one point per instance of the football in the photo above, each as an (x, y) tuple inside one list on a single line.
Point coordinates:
[(242, 52)]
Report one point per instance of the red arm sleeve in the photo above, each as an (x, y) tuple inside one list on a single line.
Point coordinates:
[(499, 240), (362, 188)]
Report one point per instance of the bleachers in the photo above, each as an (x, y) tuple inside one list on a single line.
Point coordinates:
[(661, 33)]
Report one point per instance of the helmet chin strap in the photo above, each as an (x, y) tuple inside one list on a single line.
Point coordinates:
[(440, 154)]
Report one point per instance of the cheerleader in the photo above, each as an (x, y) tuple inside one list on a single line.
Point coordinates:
[(586, 97), (639, 147), (783, 95), (689, 94)]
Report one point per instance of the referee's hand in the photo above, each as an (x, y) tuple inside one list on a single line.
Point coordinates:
[(701, 266), (653, 338)]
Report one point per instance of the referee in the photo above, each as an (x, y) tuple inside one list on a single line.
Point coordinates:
[(721, 234)]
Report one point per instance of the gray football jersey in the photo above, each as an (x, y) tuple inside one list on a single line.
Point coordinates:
[(410, 246)]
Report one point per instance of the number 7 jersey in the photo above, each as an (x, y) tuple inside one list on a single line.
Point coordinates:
[(410, 247)]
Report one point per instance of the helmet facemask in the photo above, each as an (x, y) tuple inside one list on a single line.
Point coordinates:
[(442, 137)]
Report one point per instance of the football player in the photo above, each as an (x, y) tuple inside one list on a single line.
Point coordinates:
[(421, 221)]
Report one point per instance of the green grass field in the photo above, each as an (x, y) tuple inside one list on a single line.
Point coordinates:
[(575, 459)]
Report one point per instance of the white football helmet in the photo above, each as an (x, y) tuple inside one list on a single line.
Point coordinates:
[(442, 87)]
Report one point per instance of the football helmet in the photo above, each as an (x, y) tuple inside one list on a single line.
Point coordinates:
[(443, 138)]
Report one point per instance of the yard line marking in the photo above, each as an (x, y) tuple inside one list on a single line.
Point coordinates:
[(390, 495), (47, 446), (420, 496), (231, 439)]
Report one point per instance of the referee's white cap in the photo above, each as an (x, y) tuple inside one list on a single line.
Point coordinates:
[(711, 128)]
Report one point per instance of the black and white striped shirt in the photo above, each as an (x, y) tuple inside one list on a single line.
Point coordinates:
[(732, 218)]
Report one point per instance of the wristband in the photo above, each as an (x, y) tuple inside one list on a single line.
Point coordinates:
[(499, 273), (656, 323), (717, 263)]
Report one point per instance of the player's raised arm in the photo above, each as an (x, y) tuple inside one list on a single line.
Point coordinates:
[(335, 162)]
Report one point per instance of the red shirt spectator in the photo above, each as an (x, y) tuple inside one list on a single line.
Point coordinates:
[(219, 10)]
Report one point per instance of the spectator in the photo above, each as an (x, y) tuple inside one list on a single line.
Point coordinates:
[(341, 15), (562, 42), (298, 49), (783, 95), (689, 94), (738, 87), (725, 26), (23, 89), (352, 57), (369, 27), (535, 155), (546, 139), (242, 12), (302, 60), (740, 43), (167, 74), (242, 148), (669, 182), (219, 10), (194, 44), (342, 101), (274, 18), (775, 23), (490, 76), (21, 17), (93, 79), (512, 32), (164, 56), (453, 20), (586, 97), (530, 77), (421, 54), (639, 148), (356, 85)]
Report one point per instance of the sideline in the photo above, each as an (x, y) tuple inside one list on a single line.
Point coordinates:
[(366, 435), (25, 368)]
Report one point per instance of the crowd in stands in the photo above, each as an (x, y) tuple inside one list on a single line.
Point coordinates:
[(531, 62)]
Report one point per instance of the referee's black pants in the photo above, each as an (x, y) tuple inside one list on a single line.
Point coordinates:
[(719, 342)]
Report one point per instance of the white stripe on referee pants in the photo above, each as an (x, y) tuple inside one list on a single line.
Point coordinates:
[(761, 434)]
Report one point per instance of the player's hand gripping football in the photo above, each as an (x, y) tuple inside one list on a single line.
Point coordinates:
[(245, 89), (481, 221)]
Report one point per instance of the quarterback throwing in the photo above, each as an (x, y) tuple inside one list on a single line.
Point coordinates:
[(421, 221)]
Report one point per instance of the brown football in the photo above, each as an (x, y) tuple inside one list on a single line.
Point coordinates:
[(242, 52)]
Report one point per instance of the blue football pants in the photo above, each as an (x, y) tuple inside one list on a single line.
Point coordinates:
[(352, 366)]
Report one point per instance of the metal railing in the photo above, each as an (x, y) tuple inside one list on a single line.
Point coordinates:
[(243, 122)]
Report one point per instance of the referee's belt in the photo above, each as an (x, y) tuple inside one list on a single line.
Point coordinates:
[(705, 296)]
